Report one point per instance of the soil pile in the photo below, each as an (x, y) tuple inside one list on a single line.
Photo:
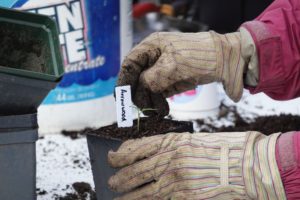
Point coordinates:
[(264, 124)]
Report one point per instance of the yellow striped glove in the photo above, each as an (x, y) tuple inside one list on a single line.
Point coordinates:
[(239, 165), (180, 166), (165, 64)]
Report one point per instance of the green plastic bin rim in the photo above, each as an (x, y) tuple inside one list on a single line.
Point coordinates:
[(47, 24), (31, 74)]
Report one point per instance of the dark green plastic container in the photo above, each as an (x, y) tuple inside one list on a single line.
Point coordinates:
[(30, 60), (29, 45)]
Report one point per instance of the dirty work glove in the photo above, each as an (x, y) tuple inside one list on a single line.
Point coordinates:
[(165, 64), (198, 166)]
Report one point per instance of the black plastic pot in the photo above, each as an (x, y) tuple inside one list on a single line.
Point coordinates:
[(18, 135), (98, 150), (22, 95)]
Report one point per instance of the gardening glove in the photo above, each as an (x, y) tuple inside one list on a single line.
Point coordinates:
[(166, 63), (197, 166)]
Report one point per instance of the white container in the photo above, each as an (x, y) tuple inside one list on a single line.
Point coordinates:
[(195, 104)]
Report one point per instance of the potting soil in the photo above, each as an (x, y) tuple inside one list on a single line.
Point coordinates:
[(148, 127), (22, 49)]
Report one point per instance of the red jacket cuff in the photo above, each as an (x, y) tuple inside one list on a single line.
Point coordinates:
[(269, 50)]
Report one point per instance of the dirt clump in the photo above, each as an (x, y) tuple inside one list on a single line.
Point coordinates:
[(41, 192), (75, 134), (83, 191)]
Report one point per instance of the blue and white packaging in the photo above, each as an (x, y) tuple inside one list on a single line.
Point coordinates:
[(95, 35)]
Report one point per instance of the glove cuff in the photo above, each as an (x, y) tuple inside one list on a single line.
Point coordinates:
[(260, 170), (230, 63)]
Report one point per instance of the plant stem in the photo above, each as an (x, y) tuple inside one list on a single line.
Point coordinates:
[(139, 111), (138, 120)]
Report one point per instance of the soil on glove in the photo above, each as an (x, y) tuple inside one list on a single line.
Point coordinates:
[(148, 127), (83, 191), (22, 49)]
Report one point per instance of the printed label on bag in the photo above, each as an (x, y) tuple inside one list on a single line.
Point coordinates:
[(124, 106), (90, 39)]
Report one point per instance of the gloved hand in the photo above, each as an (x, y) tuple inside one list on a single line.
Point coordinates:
[(165, 64), (180, 166)]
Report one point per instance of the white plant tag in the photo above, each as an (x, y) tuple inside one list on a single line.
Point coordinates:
[(124, 106)]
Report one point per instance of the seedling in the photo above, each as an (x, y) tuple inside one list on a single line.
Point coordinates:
[(139, 113)]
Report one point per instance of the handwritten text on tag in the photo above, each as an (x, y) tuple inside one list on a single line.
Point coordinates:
[(124, 106)]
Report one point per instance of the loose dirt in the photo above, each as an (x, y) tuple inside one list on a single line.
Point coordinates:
[(83, 191), (40, 192), (264, 124), (75, 134)]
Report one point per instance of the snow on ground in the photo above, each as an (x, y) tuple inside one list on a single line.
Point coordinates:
[(261, 104), (62, 161)]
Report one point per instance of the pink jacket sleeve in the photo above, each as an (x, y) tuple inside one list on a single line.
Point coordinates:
[(276, 33)]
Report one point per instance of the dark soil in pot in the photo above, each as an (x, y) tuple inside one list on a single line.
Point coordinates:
[(147, 127)]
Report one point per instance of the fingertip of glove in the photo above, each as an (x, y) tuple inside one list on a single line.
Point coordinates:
[(236, 95), (111, 159), (118, 159), (112, 183), (115, 184)]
